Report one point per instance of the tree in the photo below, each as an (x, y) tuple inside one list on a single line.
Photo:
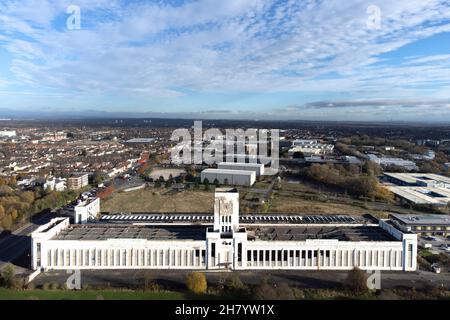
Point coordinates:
[(196, 282), (206, 183), (216, 182), (356, 280), (225, 182), (7, 222), (372, 168), (98, 178), (7, 275), (14, 214)]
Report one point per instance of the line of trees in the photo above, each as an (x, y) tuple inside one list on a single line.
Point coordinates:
[(351, 179), (17, 206)]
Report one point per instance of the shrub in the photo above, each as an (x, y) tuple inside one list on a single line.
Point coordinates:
[(284, 292), (54, 286), (150, 283), (356, 280), (7, 276), (196, 282), (31, 286), (264, 291), (234, 283)]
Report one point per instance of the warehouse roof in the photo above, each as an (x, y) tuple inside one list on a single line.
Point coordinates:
[(229, 171), (423, 195), (301, 233), (422, 219), (241, 164), (412, 178), (114, 231)]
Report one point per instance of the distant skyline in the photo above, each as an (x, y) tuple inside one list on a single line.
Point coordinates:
[(353, 60)]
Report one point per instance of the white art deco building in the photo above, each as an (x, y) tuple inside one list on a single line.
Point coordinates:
[(194, 242)]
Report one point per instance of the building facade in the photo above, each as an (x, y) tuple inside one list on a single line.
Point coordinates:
[(258, 168), (77, 181), (229, 177), (423, 224), (87, 210), (224, 244)]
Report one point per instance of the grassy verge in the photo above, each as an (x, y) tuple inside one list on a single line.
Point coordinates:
[(11, 294)]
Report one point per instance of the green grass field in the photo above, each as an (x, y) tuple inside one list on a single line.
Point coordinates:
[(10, 294), (155, 200)]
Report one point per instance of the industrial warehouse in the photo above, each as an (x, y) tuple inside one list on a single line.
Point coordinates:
[(225, 241), (234, 173), (228, 176), (419, 188)]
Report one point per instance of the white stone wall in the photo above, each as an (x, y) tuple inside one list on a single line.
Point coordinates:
[(123, 254)]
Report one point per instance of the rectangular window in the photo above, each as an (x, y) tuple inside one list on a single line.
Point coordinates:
[(38, 254), (213, 249), (239, 252), (203, 256)]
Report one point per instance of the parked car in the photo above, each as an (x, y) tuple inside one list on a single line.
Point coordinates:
[(436, 268)]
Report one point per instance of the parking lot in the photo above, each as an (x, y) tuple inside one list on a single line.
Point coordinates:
[(439, 244)]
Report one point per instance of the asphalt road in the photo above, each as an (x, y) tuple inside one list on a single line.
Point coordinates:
[(301, 279), (17, 244)]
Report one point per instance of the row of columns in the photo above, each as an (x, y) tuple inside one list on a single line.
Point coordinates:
[(125, 257), (324, 258)]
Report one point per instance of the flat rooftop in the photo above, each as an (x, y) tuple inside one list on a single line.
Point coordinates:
[(268, 218), (140, 140), (241, 164), (419, 219), (302, 233), (414, 177), (422, 195), (229, 171), (93, 232)]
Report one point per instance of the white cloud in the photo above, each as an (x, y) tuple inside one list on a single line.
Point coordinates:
[(154, 50)]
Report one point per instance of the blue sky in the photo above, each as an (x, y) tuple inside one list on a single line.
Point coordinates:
[(261, 59)]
